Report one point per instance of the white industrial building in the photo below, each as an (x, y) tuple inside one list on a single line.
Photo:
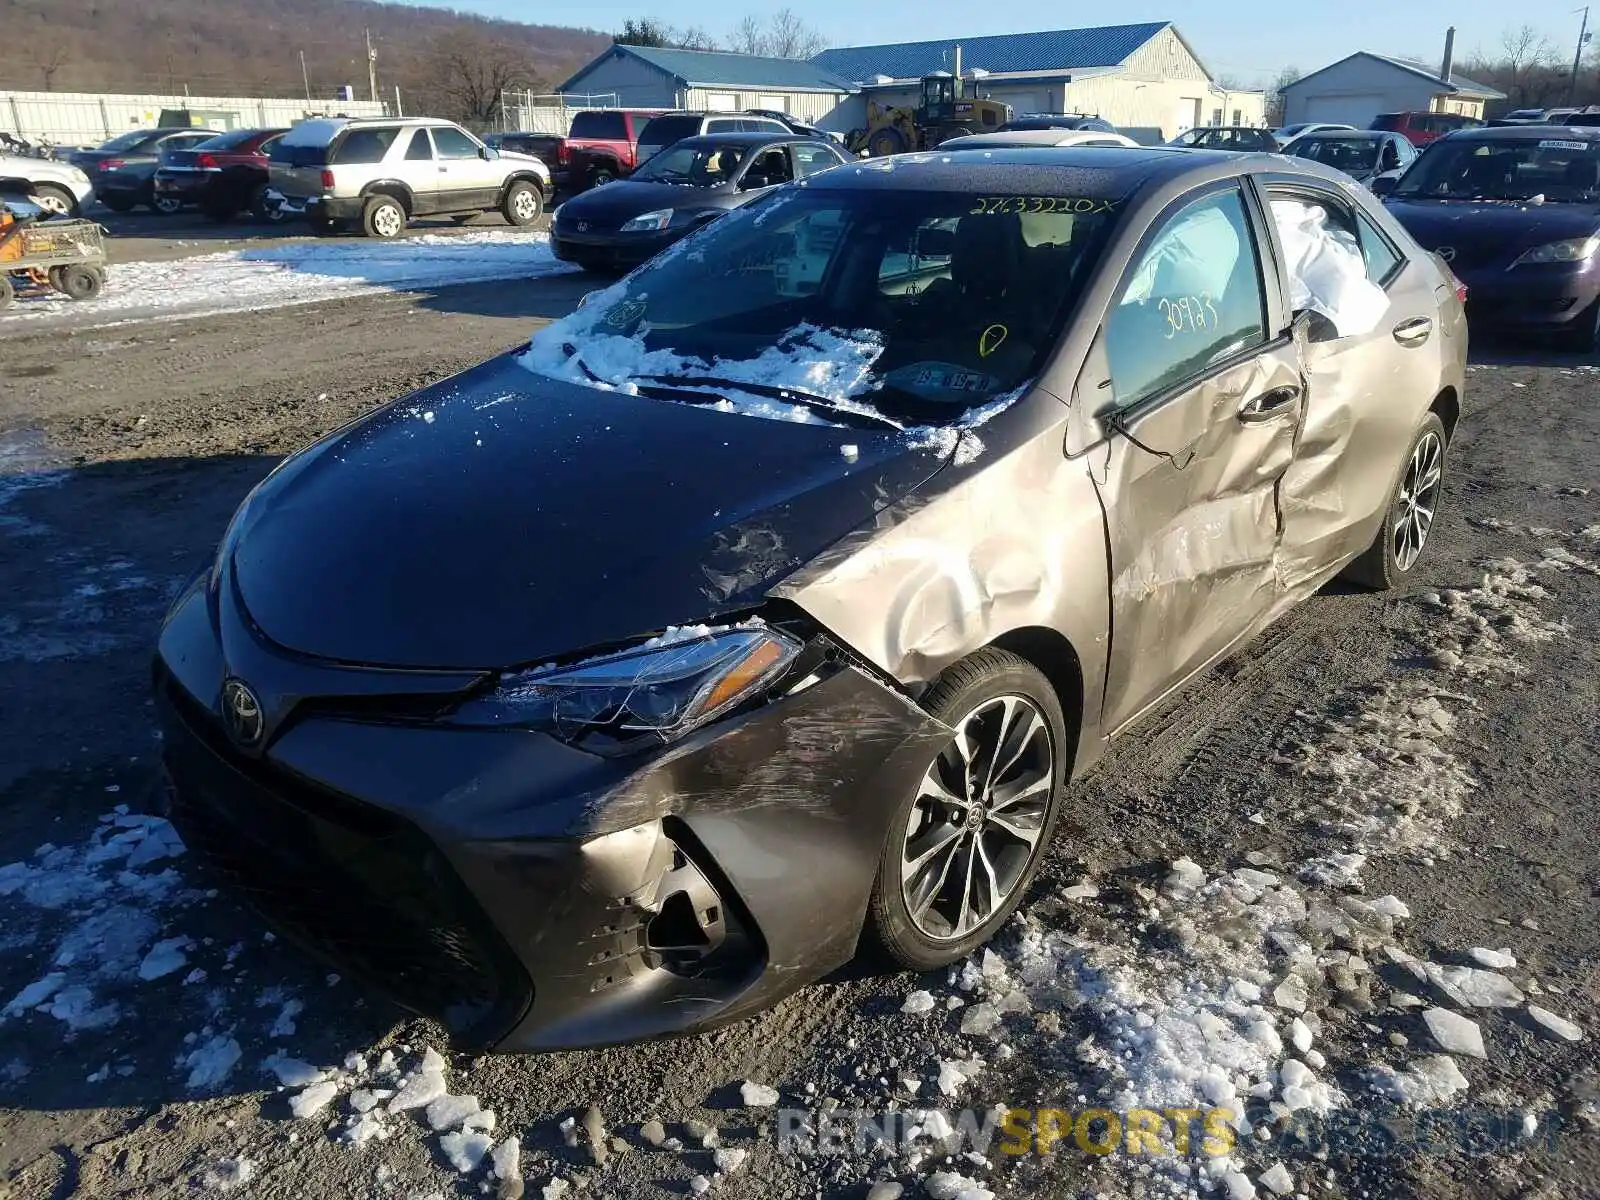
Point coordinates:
[(1356, 89), (1135, 76)]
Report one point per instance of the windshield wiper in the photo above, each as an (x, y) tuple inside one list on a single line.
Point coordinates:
[(788, 394)]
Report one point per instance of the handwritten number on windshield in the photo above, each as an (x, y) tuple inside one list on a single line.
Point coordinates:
[(999, 205)]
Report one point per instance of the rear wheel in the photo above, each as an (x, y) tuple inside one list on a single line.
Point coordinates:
[(117, 204), (272, 214), (7, 292), (55, 199), (602, 175), (522, 204), (1409, 519), (964, 845), (82, 282), (163, 203), (383, 218)]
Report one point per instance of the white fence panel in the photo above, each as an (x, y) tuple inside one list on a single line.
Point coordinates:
[(73, 118)]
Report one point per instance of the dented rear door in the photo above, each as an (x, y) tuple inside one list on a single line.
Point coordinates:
[(1200, 408)]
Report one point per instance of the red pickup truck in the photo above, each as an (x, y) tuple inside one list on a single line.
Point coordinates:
[(601, 145)]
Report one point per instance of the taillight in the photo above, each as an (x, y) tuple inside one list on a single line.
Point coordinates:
[(206, 162), (563, 153), (327, 179), (1461, 291), (111, 164)]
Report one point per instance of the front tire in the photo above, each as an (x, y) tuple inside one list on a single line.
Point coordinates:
[(966, 842), (56, 199), (81, 282), (383, 218), (522, 204), (1409, 519), (117, 204)]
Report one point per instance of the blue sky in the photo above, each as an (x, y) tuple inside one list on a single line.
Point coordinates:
[(1250, 39)]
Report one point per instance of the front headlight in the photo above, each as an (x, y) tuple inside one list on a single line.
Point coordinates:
[(1576, 250), (661, 689), (650, 222)]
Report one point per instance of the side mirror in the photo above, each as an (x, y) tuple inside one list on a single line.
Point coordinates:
[(487, 153), (1383, 185), (1311, 327)]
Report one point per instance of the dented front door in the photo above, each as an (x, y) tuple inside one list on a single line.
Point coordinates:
[(1200, 412)]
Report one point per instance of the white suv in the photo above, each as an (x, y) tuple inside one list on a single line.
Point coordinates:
[(58, 186), (381, 172)]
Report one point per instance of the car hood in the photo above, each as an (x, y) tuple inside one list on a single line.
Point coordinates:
[(502, 518), (1493, 229), (617, 202)]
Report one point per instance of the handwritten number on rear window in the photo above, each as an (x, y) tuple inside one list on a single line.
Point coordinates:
[(994, 206)]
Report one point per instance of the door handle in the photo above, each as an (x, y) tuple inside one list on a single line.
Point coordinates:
[(1269, 404), (1413, 332), (444, 170)]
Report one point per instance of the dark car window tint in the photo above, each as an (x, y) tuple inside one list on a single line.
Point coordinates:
[(1561, 169), (723, 125), (663, 131), (1193, 298), (694, 163), (420, 148), (229, 141), (365, 145), (452, 143), (809, 159), (770, 168), (608, 126), (1383, 260)]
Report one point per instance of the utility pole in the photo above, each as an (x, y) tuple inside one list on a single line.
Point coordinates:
[(1577, 57), (304, 76), (372, 68)]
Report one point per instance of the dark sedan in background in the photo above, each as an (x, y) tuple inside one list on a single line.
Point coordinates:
[(1362, 154), (1239, 139), (123, 169), (619, 226), (1515, 211), (222, 176)]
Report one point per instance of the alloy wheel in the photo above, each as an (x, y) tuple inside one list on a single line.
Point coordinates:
[(388, 221), (525, 206), (1418, 500), (53, 202), (166, 205), (979, 813)]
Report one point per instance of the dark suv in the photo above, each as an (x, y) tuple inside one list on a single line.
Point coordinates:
[(1420, 128)]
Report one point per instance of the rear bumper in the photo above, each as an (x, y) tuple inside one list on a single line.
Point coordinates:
[(1531, 298), (325, 208)]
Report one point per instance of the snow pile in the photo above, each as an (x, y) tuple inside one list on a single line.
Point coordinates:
[(377, 1095), (304, 272), (103, 904)]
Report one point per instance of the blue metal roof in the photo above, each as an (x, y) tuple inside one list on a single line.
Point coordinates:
[(718, 68), (1104, 46)]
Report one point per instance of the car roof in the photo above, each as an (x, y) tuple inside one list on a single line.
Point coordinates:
[(1090, 171), (1351, 135), (1054, 136), (1524, 133), (742, 139)]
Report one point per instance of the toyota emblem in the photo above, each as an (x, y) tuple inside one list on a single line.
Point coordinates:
[(1448, 253), (583, 227), (242, 711)]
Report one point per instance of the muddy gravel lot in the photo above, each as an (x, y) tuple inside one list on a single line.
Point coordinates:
[(1345, 884)]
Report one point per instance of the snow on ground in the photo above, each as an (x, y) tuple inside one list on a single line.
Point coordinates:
[(301, 272)]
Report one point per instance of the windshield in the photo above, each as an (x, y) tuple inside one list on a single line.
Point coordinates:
[(702, 166), (1342, 154), (1559, 169), (916, 306)]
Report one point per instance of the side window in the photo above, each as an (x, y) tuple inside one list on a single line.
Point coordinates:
[(365, 145), (722, 125), (1382, 259), (770, 168), (420, 150), (452, 143), (1192, 298), (810, 158)]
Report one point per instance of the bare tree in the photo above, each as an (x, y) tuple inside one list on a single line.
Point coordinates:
[(785, 34), (693, 38), (467, 71), (49, 51), (1274, 105)]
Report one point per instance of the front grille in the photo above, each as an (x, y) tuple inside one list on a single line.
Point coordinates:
[(360, 886)]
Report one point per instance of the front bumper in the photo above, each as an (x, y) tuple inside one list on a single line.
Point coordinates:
[(1540, 297), (610, 249), (530, 895)]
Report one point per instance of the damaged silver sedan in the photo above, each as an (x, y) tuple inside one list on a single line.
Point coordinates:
[(764, 606)]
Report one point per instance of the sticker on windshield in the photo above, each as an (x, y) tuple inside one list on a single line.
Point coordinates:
[(998, 205), (941, 381), (622, 315), (1558, 144)]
